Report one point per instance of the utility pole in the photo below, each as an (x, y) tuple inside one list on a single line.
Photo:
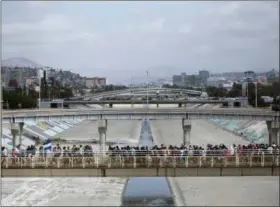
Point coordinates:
[(256, 93), (147, 89), (1, 108), (40, 77)]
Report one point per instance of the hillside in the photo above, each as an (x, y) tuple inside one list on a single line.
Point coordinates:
[(20, 62)]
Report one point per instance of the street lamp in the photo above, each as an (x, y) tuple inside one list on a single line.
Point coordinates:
[(147, 89), (40, 80), (256, 94)]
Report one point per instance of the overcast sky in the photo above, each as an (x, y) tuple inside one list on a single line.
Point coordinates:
[(124, 39)]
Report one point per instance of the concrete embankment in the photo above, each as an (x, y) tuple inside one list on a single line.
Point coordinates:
[(117, 131), (173, 186), (202, 132), (253, 131), (146, 190), (66, 190)]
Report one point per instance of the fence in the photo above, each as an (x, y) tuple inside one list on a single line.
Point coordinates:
[(160, 152), (105, 161)]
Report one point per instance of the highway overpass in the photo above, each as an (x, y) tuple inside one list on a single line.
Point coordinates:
[(140, 113), (139, 90), (150, 166)]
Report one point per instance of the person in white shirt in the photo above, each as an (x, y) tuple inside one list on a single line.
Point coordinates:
[(232, 150), (4, 152)]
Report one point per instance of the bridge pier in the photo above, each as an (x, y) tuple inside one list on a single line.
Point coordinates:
[(14, 132), (21, 124), (274, 132), (102, 129), (244, 103), (186, 126), (231, 104)]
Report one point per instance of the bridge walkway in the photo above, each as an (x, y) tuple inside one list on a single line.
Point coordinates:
[(150, 165)]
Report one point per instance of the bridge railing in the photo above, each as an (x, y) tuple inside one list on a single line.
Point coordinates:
[(140, 162), (151, 152)]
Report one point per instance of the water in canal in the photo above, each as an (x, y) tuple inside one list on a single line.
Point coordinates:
[(147, 191)]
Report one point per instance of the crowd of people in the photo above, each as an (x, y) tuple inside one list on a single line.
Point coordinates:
[(162, 150)]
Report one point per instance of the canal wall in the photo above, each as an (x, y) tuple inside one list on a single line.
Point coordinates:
[(253, 131)]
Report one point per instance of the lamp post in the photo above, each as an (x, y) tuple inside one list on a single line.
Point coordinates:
[(40, 80), (1, 122), (147, 89), (256, 94)]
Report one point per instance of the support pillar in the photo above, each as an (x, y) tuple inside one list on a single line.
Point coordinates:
[(21, 124), (14, 132), (231, 104), (186, 126), (274, 132), (102, 129)]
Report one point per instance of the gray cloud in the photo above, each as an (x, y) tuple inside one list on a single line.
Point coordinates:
[(94, 39)]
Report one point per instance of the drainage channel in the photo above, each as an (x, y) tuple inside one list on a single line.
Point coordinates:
[(148, 191)]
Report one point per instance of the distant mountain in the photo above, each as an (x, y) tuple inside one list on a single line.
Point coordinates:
[(20, 62)]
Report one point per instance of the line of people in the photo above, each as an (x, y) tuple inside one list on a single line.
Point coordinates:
[(195, 150), (192, 150)]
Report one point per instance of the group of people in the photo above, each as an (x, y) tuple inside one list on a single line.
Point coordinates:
[(191, 150), (195, 150)]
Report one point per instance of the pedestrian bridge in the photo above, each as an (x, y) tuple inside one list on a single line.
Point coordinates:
[(150, 166), (139, 114)]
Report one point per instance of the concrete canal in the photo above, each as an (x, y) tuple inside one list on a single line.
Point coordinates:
[(148, 191)]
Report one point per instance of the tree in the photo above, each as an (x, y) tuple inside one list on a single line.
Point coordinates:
[(13, 83), (213, 91), (236, 90), (17, 99)]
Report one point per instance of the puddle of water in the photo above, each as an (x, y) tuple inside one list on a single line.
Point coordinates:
[(148, 191)]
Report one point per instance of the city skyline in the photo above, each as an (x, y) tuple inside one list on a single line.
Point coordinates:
[(117, 39)]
